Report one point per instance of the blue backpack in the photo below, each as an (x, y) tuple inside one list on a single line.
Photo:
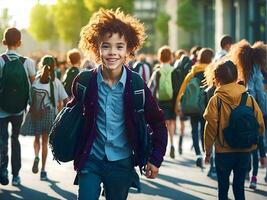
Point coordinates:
[(242, 130)]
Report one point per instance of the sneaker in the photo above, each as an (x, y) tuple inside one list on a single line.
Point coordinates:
[(4, 177), (180, 150), (253, 182), (43, 176), (172, 154), (16, 180), (199, 162), (35, 165), (212, 173)]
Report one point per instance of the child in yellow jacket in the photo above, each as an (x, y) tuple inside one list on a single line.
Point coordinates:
[(227, 159)]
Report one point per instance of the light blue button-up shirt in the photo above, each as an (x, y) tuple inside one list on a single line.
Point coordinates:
[(111, 137)]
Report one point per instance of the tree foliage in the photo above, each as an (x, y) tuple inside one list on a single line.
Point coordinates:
[(125, 5), (69, 17), (41, 23), (161, 25), (4, 21), (188, 16)]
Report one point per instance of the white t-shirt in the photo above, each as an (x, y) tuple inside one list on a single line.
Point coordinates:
[(59, 91), (30, 70)]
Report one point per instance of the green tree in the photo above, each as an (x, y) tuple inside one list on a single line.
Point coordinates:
[(41, 23), (188, 16), (94, 5), (161, 25), (4, 21), (70, 16)]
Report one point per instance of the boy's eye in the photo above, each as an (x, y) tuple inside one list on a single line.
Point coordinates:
[(105, 46), (120, 47)]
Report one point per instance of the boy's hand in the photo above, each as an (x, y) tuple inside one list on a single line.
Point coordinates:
[(263, 162), (207, 159), (151, 171)]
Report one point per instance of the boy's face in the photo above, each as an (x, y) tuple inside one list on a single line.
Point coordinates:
[(113, 51)]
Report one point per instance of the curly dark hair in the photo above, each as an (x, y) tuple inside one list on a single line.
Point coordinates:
[(245, 56), (107, 21), (225, 72)]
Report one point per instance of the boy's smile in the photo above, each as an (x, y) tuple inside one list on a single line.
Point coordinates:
[(113, 51)]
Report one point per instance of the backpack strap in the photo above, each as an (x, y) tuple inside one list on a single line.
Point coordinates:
[(83, 80), (138, 92), (52, 92), (22, 59), (219, 105), (252, 100), (244, 99), (5, 58)]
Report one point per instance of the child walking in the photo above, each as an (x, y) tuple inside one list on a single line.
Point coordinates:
[(107, 152), (18, 80), (162, 79), (47, 91), (74, 59), (227, 159)]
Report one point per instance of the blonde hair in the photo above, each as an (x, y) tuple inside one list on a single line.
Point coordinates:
[(108, 21)]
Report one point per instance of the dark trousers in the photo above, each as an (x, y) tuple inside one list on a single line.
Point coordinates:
[(195, 122), (255, 162), (15, 144), (225, 164), (116, 176)]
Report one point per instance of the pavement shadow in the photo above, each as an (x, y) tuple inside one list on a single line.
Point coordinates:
[(185, 162), (181, 183), (259, 192), (160, 190), (65, 194), (24, 193)]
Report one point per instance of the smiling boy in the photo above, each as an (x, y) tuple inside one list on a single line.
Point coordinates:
[(108, 147)]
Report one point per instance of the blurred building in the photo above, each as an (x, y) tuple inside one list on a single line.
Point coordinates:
[(238, 18), (146, 11)]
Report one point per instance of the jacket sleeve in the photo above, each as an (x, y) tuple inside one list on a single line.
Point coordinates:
[(257, 90), (155, 119), (210, 131), (259, 116)]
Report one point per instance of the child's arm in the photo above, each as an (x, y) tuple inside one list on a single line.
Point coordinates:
[(210, 131), (261, 149), (259, 116), (155, 119)]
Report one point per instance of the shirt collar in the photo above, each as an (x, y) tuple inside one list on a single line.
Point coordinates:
[(122, 80), (11, 52)]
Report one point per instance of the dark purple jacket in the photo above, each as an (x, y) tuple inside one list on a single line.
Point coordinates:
[(153, 116)]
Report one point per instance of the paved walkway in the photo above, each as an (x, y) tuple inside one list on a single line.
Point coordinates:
[(178, 179)]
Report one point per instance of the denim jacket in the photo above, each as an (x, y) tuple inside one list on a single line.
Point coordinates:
[(256, 89)]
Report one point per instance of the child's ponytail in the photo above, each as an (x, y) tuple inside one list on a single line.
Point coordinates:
[(48, 64), (242, 56), (260, 55)]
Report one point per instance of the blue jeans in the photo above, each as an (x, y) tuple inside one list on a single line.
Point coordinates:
[(116, 176), (15, 144), (225, 163), (195, 121)]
